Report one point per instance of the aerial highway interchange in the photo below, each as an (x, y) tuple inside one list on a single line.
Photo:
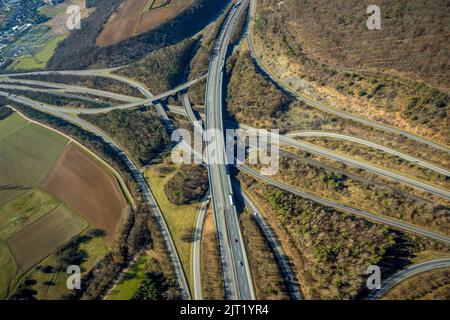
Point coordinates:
[(222, 196)]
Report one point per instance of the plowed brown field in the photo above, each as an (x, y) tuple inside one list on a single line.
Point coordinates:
[(83, 184), (36, 241), (138, 16)]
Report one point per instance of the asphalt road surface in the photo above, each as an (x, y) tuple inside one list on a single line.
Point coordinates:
[(283, 264), (147, 194), (196, 258), (328, 109), (362, 165), (237, 277), (407, 273), (397, 224)]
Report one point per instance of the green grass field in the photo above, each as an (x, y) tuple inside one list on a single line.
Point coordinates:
[(14, 216), (130, 281), (11, 124), (27, 154), (52, 285), (178, 218), (24, 210), (40, 59), (33, 224), (8, 271), (50, 11), (39, 239)]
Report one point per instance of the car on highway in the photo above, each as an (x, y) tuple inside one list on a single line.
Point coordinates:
[(231, 199)]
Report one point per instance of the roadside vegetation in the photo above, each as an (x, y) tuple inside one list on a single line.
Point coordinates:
[(180, 218), (189, 184), (329, 250), (80, 51), (239, 29), (163, 69), (129, 280), (141, 134), (138, 230), (93, 82), (399, 90), (210, 265), (380, 158), (58, 100), (374, 198), (430, 285), (5, 113), (139, 282), (367, 177), (251, 98), (267, 278), (299, 116), (200, 61)]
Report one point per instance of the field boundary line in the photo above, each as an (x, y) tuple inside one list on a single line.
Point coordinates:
[(16, 129), (117, 176), (21, 276)]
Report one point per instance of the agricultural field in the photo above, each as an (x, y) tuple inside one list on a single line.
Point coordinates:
[(10, 124), (88, 189), (138, 16), (47, 280), (39, 239), (27, 151), (14, 216), (40, 233)]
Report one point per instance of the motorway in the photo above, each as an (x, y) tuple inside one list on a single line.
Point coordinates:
[(407, 273), (360, 164), (239, 283), (285, 269), (197, 123), (295, 294), (291, 142), (268, 233), (61, 87), (196, 248), (323, 107), (284, 139), (397, 224), (386, 285), (151, 99), (187, 111), (325, 134), (236, 270), (147, 194)]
